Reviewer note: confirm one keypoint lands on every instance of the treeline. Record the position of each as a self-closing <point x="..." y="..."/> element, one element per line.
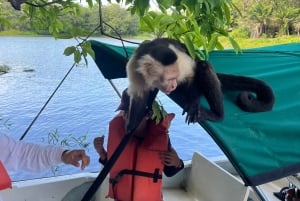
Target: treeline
<point x="268" y="18"/>
<point x="255" y="18"/>
<point x="118" y="19"/>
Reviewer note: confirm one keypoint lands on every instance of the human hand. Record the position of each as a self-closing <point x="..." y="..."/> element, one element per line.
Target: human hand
<point x="98" y="144"/>
<point x="170" y="158"/>
<point x="74" y="157"/>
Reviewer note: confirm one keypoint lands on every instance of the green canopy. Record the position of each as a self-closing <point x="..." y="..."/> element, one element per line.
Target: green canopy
<point x="261" y="146"/>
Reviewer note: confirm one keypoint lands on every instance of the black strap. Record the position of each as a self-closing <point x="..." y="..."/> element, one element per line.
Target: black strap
<point x="105" y="170"/>
<point x="155" y="175"/>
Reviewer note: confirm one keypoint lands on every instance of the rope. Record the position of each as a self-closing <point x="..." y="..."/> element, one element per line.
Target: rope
<point x="102" y="22"/>
<point x="44" y="106"/>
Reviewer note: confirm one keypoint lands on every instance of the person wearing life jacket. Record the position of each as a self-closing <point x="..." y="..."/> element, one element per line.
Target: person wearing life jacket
<point x="137" y="173"/>
<point x="20" y="155"/>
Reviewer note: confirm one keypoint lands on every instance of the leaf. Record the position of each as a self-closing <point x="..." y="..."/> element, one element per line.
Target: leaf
<point x="207" y="8"/>
<point x="85" y="60"/>
<point x="212" y="43"/>
<point x="227" y="12"/>
<point x="147" y="24"/>
<point x="77" y="56"/>
<point x="219" y="46"/>
<point x="69" y="50"/>
<point x="166" y="20"/>
<point x="59" y="25"/>
<point x="235" y="45"/>
<point x="90" y="3"/>
<point x="140" y="6"/>
<point x="165" y="3"/>
<point x="159" y="112"/>
<point x="88" y="48"/>
<point x="189" y="45"/>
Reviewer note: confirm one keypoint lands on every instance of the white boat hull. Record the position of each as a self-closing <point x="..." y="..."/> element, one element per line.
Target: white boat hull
<point x="201" y="180"/>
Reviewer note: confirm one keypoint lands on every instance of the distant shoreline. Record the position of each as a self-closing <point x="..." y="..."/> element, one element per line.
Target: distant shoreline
<point x="245" y="43"/>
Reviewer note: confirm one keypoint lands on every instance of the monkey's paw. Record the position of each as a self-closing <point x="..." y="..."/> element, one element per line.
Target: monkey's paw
<point x="193" y="114"/>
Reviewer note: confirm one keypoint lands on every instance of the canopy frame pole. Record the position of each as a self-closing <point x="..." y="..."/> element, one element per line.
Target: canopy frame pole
<point x="260" y="193"/>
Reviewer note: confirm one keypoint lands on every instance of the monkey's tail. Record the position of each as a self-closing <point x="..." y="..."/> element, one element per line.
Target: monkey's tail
<point x="262" y="101"/>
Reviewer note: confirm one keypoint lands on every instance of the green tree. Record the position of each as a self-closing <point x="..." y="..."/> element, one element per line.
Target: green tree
<point x="198" y="24"/>
<point x="260" y="14"/>
<point x="286" y="15"/>
<point x="120" y="20"/>
<point x="5" y="15"/>
<point x="268" y="17"/>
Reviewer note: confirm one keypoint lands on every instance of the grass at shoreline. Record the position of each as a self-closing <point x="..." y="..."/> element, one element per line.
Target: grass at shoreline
<point x="244" y="43"/>
<point x="17" y="33"/>
<point x="261" y="42"/>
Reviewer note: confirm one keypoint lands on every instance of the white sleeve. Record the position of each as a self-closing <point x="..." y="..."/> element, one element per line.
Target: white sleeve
<point x="20" y="155"/>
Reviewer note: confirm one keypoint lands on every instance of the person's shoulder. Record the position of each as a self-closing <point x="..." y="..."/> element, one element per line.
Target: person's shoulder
<point x="166" y="121"/>
<point x="118" y="118"/>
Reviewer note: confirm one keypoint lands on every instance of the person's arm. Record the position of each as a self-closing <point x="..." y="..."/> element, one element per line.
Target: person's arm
<point x="98" y="144"/>
<point x="173" y="164"/>
<point x="74" y="157"/>
<point x="20" y="155"/>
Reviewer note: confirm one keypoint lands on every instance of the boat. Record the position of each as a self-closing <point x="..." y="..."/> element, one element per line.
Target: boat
<point x="262" y="149"/>
<point x="201" y="179"/>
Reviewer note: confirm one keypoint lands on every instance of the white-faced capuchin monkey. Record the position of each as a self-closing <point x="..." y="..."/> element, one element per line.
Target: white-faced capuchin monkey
<point x="165" y="64"/>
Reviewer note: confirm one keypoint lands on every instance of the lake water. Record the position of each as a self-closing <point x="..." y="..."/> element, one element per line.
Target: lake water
<point x="82" y="106"/>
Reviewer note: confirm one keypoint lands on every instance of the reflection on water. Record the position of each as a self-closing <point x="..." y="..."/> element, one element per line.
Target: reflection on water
<point x="83" y="105"/>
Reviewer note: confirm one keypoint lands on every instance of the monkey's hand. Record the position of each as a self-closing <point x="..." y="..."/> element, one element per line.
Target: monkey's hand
<point x="196" y="113"/>
<point x="193" y="113"/>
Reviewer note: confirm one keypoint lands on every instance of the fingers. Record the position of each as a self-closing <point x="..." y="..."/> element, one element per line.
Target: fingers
<point x="81" y="156"/>
<point x="99" y="140"/>
<point x="98" y="144"/>
<point x="85" y="161"/>
<point x="74" y="158"/>
<point x="165" y="158"/>
<point x="169" y="158"/>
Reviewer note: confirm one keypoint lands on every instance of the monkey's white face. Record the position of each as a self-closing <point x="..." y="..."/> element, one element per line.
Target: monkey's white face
<point x="168" y="81"/>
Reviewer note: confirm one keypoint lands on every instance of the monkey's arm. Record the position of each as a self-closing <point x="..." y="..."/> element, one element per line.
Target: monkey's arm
<point x="139" y="107"/>
<point x="205" y="83"/>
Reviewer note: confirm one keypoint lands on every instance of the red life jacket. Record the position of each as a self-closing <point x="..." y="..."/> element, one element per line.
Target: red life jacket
<point x="137" y="174"/>
<point x="5" y="181"/>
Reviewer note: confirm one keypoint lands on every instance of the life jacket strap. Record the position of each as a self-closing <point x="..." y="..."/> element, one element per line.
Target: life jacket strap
<point x="155" y="175"/>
